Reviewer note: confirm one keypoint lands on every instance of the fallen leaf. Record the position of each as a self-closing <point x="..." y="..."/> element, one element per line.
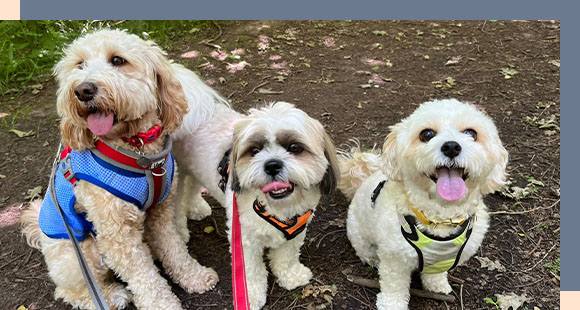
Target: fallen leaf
<point x="208" y="229"/>
<point x="33" y="193"/>
<point x="426" y="57"/>
<point x="380" y="33"/>
<point x="508" y="73"/>
<point x="490" y="265"/>
<point x="2" y="176"/>
<point x="365" y="86"/>
<point x="269" y="91"/>
<point x="3" y="115"/>
<point x="511" y="300"/>
<point x="359" y="106"/>
<point x="280" y="78"/>
<point x="555" y="62"/>
<point x="22" y="134"/>
<point x="453" y="61"/>
<point x="21" y="307"/>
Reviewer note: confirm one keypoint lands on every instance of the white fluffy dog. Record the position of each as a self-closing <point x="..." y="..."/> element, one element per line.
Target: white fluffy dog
<point x="113" y="87"/>
<point x="281" y="162"/>
<point x="419" y="204"/>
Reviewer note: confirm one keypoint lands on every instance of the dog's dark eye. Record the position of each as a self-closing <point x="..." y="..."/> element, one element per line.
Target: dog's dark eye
<point x="471" y="133"/>
<point x="117" y="61"/>
<point x="80" y="64"/>
<point x="427" y="134"/>
<point x="295" y="148"/>
<point x="255" y="150"/>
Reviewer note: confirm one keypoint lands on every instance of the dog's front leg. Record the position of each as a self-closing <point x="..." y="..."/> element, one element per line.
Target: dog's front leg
<point x="256" y="273"/>
<point x="166" y="244"/>
<point x="286" y="266"/>
<point x="119" y="227"/>
<point x="395" y="280"/>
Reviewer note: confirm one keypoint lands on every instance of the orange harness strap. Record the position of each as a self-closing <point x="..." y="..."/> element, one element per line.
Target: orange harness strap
<point x="290" y="228"/>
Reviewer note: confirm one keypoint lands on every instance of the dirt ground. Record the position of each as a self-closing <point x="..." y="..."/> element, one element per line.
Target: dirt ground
<point x="357" y="78"/>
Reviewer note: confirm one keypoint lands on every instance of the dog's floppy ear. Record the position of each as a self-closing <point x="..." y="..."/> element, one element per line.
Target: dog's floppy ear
<point x="332" y="175"/>
<point x="390" y="164"/>
<point x="497" y="177"/>
<point x="234" y="180"/>
<point x="172" y="103"/>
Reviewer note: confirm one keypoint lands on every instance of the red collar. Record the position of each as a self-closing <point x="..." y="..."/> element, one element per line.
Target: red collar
<point x="143" y="138"/>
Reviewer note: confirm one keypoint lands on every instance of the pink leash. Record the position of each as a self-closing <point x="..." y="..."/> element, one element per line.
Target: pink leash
<point x="238" y="269"/>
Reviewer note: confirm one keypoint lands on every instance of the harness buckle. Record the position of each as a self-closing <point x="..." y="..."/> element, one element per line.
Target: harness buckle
<point x="66" y="169"/>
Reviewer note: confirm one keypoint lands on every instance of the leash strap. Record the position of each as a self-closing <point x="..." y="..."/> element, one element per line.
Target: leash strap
<point x="97" y="296"/>
<point x="240" y="288"/>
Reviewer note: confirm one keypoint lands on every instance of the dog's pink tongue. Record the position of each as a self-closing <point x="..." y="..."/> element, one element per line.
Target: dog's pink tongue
<point x="100" y="123"/>
<point x="274" y="186"/>
<point x="450" y="184"/>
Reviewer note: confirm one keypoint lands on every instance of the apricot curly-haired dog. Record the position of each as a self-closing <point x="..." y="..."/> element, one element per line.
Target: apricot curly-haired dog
<point x="118" y="94"/>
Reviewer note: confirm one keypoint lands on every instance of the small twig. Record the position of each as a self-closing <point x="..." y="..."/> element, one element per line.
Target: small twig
<point x="455" y="279"/>
<point x="461" y="296"/>
<point x="219" y="34"/>
<point x="523" y="212"/>
<point x="258" y="86"/>
<point x="415" y="292"/>
<point x="216" y="227"/>
<point x="12" y="260"/>
<point x="325" y="235"/>
<point x="536" y="264"/>
<point x="535" y="248"/>
<point x="230" y="95"/>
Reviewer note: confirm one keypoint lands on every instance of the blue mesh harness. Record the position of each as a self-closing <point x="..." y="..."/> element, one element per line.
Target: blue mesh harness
<point x="142" y="180"/>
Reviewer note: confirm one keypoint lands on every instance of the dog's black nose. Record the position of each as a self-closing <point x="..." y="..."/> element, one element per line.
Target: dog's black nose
<point x="86" y="91"/>
<point x="273" y="166"/>
<point x="451" y="149"/>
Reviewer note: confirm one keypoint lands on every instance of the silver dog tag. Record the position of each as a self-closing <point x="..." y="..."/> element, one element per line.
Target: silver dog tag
<point x="144" y="162"/>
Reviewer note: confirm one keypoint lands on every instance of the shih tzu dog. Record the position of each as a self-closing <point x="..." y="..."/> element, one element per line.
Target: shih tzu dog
<point x="280" y="163"/>
<point x="419" y="204"/>
<point x="119" y="99"/>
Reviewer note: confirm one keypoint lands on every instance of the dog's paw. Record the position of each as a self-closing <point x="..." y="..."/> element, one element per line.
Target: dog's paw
<point x="200" y="282"/>
<point x="295" y="276"/>
<point x="436" y="283"/>
<point x="119" y="298"/>
<point x="385" y="302"/>
<point x="257" y="301"/>
<point x="199" y="211"/>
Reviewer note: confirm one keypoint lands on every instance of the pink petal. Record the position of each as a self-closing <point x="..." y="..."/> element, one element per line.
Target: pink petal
<point x="220" y="55"/>
<point x="329" y="42"/>
<point x="210" y="82"/>
<point x="233" y="68"/>
<point x="11" y="215"/>
<point x="190" y="54"/>
<point x="238" y="51"/>
<point x="275" y="57"/>
<point x="280" y="65"/>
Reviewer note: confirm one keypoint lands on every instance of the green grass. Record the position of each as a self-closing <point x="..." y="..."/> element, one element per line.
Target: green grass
<point x="554" y="267"/>
<point x="29" y="49"/>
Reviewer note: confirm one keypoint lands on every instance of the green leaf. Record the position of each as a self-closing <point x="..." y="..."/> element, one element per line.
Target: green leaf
<point x="380" y="33"/>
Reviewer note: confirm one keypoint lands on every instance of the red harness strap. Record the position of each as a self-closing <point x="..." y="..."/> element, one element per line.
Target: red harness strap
<point x="156" y="170"/>
<point x="240" y="289"/>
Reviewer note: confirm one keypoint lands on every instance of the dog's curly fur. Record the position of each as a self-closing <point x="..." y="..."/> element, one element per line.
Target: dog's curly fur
<point x="143" y="92"/>
<point x="407" y="163"/>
